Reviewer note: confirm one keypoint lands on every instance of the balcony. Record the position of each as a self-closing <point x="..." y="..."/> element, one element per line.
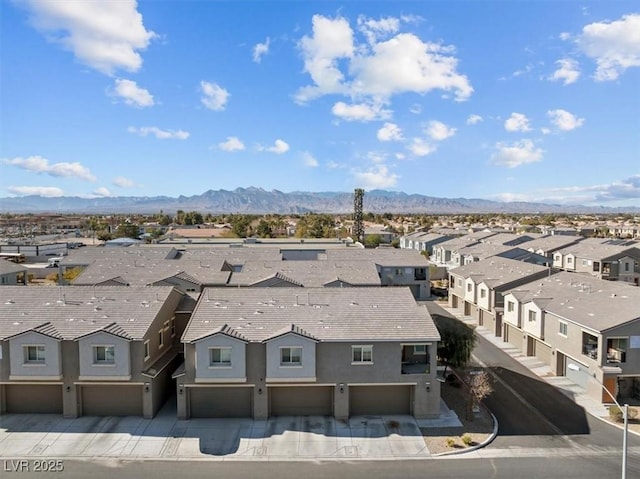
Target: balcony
<point x="420" y="274"/>
<point x="415" y="359"/>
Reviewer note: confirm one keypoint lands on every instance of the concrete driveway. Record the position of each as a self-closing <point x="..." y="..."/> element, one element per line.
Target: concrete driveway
<point x="282" y="438"/>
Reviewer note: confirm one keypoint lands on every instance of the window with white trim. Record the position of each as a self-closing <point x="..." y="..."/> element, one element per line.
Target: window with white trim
<point x="532" y="316"/>
<point x="362" y="354"/>
<point x="220" y="357"/>
<point x="483" y="293"/>
<point x="147" y="350"/>
<point x="563" y="328"/>
<point x="511" y="306"/>
<point x="419" y="349"/>
<point x="469" y="287"/>
<point x="173" y="326"/>
<point x="291" y="356"/>
<point x="160" y="338"/>
<point x="34" y="353"/>
<point x="104" y="354"/>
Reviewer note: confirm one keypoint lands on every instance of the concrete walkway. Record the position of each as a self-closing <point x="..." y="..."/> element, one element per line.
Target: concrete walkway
<point x="165" y="437"/>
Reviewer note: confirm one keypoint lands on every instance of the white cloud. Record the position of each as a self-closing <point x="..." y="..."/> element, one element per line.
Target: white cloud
<point x="517" y="154"/>
<point x="564" y="120"/>
<point x="309" y="160"/>
<point x="389" y="132"/>
<point x="360" y="112"/>
<point x="438" y="131"/>
<point x="102" y="192"/>
<point x="377" y="70"/>
<point x="474" y="119"/>
<point x="41" y="165"/>
<point x="260" y="50"/>
<point x="106" y="36"/>
<point x="377" y="176"/>
<point x="123" y="182"/>
<point x="214" y="97"/>
<point x="373" y="30"/>
<point x="232" y="144"/>
<point x="517" y="122"/>
<point x="416" y="108"/>
<point x="615" y="46"/>
<point x="279" y="147"/>
<point x="158" y="133"/>
<point x="132" y="94"/>
<point x="628" y="188"/>
<point x="567" y="71"/>
<point x="545" y="130"/>
<point x="419" y="147"/>
<point x="48" y="191"/>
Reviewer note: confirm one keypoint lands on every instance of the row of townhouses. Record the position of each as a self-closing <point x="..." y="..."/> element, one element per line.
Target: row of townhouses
<point x="231" y="332"/>
<point x="582" y="327"/>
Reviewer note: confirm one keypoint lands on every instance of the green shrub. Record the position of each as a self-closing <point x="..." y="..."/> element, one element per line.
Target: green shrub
<point x="451" y="442"/>
<point x="466" y="439"/>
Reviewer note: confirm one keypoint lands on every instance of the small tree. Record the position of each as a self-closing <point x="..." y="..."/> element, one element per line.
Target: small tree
<point x="457" y="341"/>
<point x="479" y="383"/>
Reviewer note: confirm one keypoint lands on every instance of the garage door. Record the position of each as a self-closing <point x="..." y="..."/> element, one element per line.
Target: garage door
<point x="34" y="398"/>
<point x="220" y="402"/>
<point x="111" y="400"/>
<point x="513" y="336"/>
<point x="301" y="401"/>
<point x="377" y="400"/>
<point x="576" y="372"/>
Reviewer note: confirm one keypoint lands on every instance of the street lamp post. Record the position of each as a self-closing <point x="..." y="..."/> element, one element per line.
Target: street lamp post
<point x="625" y="416"/>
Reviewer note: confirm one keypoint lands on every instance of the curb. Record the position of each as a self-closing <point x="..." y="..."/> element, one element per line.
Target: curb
<point x="484" y="443"/>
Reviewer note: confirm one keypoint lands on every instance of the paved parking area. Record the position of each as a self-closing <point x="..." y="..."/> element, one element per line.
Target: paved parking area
<point x="278" y="438"/>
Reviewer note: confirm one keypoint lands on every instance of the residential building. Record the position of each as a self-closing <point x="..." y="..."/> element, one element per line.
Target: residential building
<point x="260" y="352"/>
<point x="584" y="328"/>
<point x="74" y="350"/>
<point x="613" y="260"/>
<point x="12" y="273"/>
<point x="476" y="289"/>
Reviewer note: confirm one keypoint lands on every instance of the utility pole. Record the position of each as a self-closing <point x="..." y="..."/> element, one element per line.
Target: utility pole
<point x="358" y="226"/>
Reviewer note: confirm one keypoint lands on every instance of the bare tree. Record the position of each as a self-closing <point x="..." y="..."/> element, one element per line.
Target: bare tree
<point x="479" y="383"/>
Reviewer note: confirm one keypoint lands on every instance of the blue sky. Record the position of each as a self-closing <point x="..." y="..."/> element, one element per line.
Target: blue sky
<point x="503" y="100"/>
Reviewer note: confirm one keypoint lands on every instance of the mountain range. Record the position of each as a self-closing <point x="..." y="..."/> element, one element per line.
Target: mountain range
<point x="259" y="201"/>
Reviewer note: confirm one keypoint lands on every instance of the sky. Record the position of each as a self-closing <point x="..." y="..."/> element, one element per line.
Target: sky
<point x="502" y="100"/>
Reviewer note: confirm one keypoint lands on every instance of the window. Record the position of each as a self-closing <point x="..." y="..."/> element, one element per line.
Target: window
<point x="34" y="354"/>
<point x="569" y="260"/>
<point x="469" y="286"/>
<point x="160" y="338"/>
<point x="510" y="306"/>
<point x="617" y="350"/>
<point x="532" y="316"/>
<point x="398" y="271"/>
<point x="596" y="266"/>
<point x="104" y="354"/>
<point x="419" y="349"/>
<point x="220" y="357"/>
<point x="147" y="352"/>
<point x="626" y="266"/>
<point x="563" y="329"/>
<point x="585" y="262"/>
<point x="362" y="354"/>
<point x="483" y="293"/>
<point x="173" y="326"/>
<point x="291" y="356"/>
<point x="460" y="282"/>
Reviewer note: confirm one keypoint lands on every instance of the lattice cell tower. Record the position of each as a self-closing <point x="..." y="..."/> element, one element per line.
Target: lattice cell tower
<point x="358" y="226"/>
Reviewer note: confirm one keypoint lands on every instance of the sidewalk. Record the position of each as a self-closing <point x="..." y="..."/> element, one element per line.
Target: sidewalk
<point x="542" y="370"/>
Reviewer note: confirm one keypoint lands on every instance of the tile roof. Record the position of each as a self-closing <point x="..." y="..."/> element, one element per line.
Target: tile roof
<point x="594" y="303"/>
<point x="501" y="270"/>
<point x="598" y="248"/>
<point x="328" y="314"/>
<point x="74" y="311"/>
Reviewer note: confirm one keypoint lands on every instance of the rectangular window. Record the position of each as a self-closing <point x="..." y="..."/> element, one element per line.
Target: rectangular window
<point x="291" y="356"/>
<point x="626" y="266"/>
<point x="460" y="282"/>
<point x="585" y="262"/>
<point x="362" y="354"/>
<point x="617" y="350"/>
<point x="563" y="329"/>
<point x="469" y="286"/>
<point x="510" y="306"/>
<point x="419" y="349"/>
<point x="220" y="357"/>
<point x="160" y="338"/>
<point x="147" y="352"/>
<point x="569" y="260"/>
<point x="532" y="316"/>
<point x="34" y="354"/>
<point x="398" y="271"/>
<point x="104" y="355"/>
<point x="483" y="293"/>
<point x="173" y="326"/>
